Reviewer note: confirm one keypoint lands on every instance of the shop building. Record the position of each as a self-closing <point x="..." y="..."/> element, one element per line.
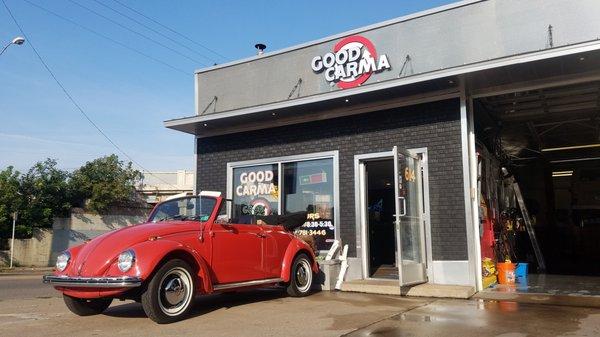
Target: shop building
<point x="381" y="133"/>
<point x="156" y="187"/>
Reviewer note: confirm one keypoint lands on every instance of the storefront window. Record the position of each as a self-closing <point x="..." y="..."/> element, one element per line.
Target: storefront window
<point x="255" y="191"/>
<point x="308" y="186"/>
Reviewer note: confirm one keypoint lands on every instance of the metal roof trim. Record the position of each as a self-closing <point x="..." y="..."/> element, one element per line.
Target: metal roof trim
<point x="378" y="25"/>
<point x="459" y="70"/>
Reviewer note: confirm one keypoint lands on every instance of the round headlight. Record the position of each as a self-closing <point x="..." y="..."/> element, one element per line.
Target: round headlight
<point x="62" y="261"/>
<point x="126" y="260"/>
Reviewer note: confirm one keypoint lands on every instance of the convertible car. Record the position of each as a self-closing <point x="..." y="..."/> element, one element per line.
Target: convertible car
<point x="187" y="247"/>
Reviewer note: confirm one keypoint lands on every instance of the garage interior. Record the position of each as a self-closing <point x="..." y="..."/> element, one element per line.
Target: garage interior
<point x="548" y="140"/>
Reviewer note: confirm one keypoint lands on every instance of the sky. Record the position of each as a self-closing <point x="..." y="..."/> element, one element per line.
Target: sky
<point x="129" y="78"/>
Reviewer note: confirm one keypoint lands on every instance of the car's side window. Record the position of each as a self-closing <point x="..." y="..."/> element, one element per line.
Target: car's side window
<point x="222" y="217"/>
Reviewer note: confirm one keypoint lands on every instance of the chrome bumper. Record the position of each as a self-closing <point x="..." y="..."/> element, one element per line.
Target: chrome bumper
<point x="93" y="282"/>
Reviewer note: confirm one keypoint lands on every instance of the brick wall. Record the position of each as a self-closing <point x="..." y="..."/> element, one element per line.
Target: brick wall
<point x="432" y="125"/>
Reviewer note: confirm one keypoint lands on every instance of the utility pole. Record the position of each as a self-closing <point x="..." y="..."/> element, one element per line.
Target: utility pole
<point x="12" y="240"/>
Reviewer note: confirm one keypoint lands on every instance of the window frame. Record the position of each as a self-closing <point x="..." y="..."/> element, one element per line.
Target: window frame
<point x="279" y="161"/>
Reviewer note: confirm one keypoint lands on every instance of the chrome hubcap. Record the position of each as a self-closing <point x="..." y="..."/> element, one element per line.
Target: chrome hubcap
<point x="175" y="291"/>
<point x="303" y="276"/>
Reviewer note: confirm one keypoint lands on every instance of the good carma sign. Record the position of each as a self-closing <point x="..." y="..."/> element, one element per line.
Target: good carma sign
<point x="351" y="63"/>
<point x="255" y="183"/>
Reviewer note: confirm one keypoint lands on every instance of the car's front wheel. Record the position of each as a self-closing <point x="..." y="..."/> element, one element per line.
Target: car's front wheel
<point x="86" y="307"/>
<point x="301" y="277"/>
<point x="170" y="293"/>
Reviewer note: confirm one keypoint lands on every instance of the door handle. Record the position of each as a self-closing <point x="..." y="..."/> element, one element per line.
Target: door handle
<point x="403" y="210"/>
<point x="260" y="235"/>
<point x="229" y="229"/>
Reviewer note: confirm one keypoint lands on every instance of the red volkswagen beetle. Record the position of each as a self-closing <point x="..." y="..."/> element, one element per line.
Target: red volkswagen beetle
<point x="187" y="247"/>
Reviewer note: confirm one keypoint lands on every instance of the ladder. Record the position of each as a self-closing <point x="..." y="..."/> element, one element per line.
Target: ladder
<point x="536" y="247"/>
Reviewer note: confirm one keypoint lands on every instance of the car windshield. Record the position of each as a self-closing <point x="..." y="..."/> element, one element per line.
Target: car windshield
<point x="188" y="208"/>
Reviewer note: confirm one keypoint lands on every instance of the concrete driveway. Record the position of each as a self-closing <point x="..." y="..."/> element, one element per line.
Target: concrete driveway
<point x="253" y="313"/>
<point x="28" y="308"/>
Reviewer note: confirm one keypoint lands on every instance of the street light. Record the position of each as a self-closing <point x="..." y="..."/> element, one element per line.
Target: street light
<point x="12" y="240"/>
<point x="17" y="40"/>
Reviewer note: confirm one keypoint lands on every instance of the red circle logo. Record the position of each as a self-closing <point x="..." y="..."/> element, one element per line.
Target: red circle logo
<point x="351" y="63"/>
<point x="367" y="50"/>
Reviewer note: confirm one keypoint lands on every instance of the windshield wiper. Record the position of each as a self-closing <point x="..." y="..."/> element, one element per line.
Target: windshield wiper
<point x="184" y="217"/>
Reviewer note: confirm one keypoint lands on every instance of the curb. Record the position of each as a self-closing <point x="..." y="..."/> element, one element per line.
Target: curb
<point x="24" y="272"/>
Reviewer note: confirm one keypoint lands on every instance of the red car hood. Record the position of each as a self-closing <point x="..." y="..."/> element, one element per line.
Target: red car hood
<point x="95" y="257"/>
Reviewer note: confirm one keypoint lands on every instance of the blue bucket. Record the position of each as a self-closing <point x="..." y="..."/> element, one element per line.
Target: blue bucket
<point x="521" y="271"/>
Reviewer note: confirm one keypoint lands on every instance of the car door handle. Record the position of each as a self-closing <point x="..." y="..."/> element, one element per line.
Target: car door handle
<point x="261" y="235"/>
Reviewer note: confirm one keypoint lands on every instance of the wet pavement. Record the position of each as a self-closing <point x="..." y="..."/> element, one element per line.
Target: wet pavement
<point x="487" y="318"/>
<point x="581" y="291"/>
<point x="567" y="285"/>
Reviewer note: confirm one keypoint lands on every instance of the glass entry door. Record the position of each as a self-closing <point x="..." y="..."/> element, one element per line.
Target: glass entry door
<point x="410" y="227"/>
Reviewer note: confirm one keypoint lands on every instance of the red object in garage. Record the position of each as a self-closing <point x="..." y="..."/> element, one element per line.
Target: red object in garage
<point x="487" y="233"/>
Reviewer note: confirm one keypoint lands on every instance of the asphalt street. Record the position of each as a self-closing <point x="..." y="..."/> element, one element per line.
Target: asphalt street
<point x="24" y="286"/>
<point x="29" y="308"/>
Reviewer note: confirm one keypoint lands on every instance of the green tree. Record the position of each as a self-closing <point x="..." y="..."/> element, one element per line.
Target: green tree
<point x="44" y="195"/>
<point x="10" y="199"/>
<point x="104" y="182"/>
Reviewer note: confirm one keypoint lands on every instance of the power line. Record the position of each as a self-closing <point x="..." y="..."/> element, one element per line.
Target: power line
<point x="71" y="99"/>
<point x="136" y="32"/>
<point x="107" y="38"/>
<point x="212" y="60"/>
<point x="171" y="29"/>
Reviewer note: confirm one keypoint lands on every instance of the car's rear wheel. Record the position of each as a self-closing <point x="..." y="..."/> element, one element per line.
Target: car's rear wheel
<point x="301" y="277"/>
<point x="86" y="307"/>
<point x="169" y="294"/>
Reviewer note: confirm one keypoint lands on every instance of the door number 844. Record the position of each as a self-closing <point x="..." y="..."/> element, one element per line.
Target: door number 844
<point x="409" y="175"/>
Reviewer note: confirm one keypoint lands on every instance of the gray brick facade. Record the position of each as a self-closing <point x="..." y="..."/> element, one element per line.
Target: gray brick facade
<point x="432" y="125"/>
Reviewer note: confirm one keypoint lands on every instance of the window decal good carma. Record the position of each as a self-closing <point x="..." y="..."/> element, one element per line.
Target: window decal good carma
<point x="351" y="63"/>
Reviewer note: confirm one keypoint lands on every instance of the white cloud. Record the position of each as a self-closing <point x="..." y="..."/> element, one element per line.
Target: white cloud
<point x="27" y="138"/>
